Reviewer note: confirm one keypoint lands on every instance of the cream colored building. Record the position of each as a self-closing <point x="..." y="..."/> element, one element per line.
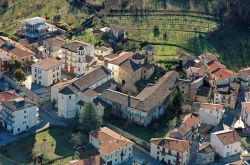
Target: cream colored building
<point x="245" y="112"/>
<point x="19" y="115"/>
<point x="226" y="142"/>
<point x="103" y="51"/>
<point x="71" y="96"/>
<point x="46" y="72"/>
<point x="114" y="148"/>
<point x="15" y="50"/>
<point x="128" y="68"/>
<point x="170" y="150"/>
<point x="78" y="57"/>
<point x="211" y="114"/>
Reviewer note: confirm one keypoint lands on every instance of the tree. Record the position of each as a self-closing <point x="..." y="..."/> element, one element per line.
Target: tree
<point x="14" y="66"/>
<point x="20" y="75"/>
<point x="88" y="118"/>
<point x="156" y="31"/>
<point x="177" y="100"/>
<point x="78" y="138"/>
<point x="165" y="36"/>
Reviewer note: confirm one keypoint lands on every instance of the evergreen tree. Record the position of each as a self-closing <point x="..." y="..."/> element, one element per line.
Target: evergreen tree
<point x="88" y="118"/>
<point x="177" y="100"/>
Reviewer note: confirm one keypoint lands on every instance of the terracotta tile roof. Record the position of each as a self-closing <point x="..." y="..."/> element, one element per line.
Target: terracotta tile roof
<point x="92" y="160"/>
<point x="188" y="123"/>
<point x="223" y="74"/>
<point x="205" y="148"/>
<point x="110" y="140"/>
<point x="90" y="93"/>
<point x="210" y="106"/>
<point x="213" y="65"/>
<point x="14" y="47"/>
<point x="245" y="106"/>
<point x="121" y="58"/>
<point x="148" y="98"/>
<point x="186" y="57"/>
<point x="111" y="56"/>
<point x="47" y="64"/>
<point x="238" y="162"/>
<point x="227" y="136"/>
<point x="8" y="95"/>
<point x="172" y="144"/>
<point x="75" y="46"/>
<point x="54" y="42"/>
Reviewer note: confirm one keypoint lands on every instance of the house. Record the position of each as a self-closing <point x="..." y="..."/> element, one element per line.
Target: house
<point x="86" y="88"/>
<point x="148" y="106"/>
<point x="78" y="57"/>
<point x="245" y="112"/>
<point x="92" y="160"/>
<point x="207" y="57"/>
<point x="211" y="114"/>
<point x="193" y="72"/>
<point x="244" y="77"/>
<point x="103" y="51"/>
<point x="227" y="98"/>
<point x="19" y="115"/>
<point x="37" y="28"/>
<point x="117" y="31"/>
<point x="170" y="150"/>
<point x="4" y="64"/>
<point x="46" y="72"/>
<point x="113" y="147"/>
<point x="52" y="47"/>
<point x="186" y="61"/>
<point x="226" y="142"/>
<point x="205" y="154"/>
<point x="214" y="65"/>
<point x="57" y="87"/>
<point x="223" y="76"/>
<point x="188" y="130"/>
<point x="128" y="68"/>
<point x="15" y="50"/>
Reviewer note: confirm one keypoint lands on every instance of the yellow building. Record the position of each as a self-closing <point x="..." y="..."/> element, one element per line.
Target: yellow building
<point x="15" y="50"/>
<point x="131" y="67"/>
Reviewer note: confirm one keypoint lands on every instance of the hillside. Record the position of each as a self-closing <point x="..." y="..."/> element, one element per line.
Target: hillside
<point x="191" y="31"/>
<point x="72" y="14"/>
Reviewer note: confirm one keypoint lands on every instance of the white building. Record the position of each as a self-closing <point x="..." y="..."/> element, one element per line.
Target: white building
<point x="114" y="148"/>
<point x="19" y="115"/>
<point x="78" y="57"/>
<point x="72" y="97"/>
<point x="170" y="150"/>
<point x="46" y="72"/>
<point x="51" y="47"/>
<point x="226" y="142"/>
<point x="211" y="114"/>
<point x="103" y="51"/>
<point x="245" y="112"/>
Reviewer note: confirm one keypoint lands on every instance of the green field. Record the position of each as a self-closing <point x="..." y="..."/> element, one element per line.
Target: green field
<point x="56" y="146"/>
<point x="173" y="34"/>
<point x="19" y="10"/>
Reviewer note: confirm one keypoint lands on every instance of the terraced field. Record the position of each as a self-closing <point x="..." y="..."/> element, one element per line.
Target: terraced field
<point x="172" y="34"/>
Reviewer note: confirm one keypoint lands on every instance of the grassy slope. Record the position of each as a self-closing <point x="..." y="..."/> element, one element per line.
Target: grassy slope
<point x="21" y="9"/>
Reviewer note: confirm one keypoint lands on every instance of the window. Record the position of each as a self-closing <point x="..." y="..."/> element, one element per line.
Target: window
<point x="25" y="117"/>
<point x="69" y="97"/>
<point x="18" y="129"/>
<point x="25" y="111"/>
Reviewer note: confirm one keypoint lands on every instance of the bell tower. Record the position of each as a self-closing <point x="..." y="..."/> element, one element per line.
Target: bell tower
<point x="80" y="67"/>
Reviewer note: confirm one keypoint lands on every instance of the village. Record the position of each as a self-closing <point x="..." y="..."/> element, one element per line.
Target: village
<point x="132" y="110"/>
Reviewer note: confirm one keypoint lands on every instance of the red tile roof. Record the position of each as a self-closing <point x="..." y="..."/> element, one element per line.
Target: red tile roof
<point x="8" y="95"/>
<point x="93" y="160"/>
<point x="246" y="106"/>
<point x="227" y="136"/>
<point x="172" y="144"/>
<point x="213" y="65"/>
<point x="223" y="74"/>
<point x="110" y="140"/>
<point x="121" y="58"/>
<point x="210" y="106"/>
